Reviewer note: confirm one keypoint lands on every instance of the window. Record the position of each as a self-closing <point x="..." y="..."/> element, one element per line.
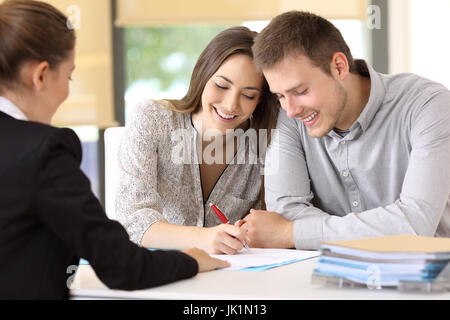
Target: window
<point x="90" y="163"/>
<point x="160" y="59"/>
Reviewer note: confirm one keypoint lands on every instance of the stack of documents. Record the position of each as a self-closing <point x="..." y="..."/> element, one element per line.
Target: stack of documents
<point x="384" y="262"/>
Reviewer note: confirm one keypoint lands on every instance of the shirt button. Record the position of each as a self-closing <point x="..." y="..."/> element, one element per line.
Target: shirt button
<point x="345" y="173"/>
<point x="343" y="142"/>
<point x="355" y="203"/>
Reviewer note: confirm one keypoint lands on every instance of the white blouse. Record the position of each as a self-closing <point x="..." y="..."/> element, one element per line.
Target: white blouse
<point x="155" y="186"/>
<point x="11" y="109"/>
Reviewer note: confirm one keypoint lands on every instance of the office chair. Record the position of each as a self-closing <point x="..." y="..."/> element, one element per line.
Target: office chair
<point x="113" y="137"/>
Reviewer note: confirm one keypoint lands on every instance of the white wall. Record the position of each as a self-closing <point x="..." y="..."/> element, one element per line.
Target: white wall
<point x="419" y="38"/>
<point x="430" y="39"/>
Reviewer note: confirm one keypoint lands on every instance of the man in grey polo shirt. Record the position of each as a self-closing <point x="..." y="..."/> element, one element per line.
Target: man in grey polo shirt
<point x="357" y="153"/>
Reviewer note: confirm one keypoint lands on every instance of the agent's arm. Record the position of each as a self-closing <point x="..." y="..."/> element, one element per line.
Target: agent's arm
<point x="66" y="205"/>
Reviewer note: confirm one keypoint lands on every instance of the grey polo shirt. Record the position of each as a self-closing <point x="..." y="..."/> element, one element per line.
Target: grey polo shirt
<point x="390" y="174"/>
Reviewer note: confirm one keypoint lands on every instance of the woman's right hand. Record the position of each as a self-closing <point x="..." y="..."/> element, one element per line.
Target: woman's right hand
<point x="223" y="239"/>
<point x="205" y="262"/>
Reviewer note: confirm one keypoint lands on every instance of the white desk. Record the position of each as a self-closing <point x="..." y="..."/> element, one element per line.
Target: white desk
<point x="289" y="282"/>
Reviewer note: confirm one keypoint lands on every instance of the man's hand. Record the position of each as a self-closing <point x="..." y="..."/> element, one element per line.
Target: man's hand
<point x="268" y="230"/>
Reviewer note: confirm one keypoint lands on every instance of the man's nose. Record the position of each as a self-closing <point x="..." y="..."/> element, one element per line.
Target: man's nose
<point x="293" y="110"/>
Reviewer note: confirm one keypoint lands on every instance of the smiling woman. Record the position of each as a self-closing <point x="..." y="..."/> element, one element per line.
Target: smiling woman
<point x="165" y="203"/>
<point x="232" y="41"/>
<point x="230" y="96"/>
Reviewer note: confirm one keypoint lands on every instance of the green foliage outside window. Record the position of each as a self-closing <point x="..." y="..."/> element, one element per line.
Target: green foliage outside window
<point x="165" y="56"/>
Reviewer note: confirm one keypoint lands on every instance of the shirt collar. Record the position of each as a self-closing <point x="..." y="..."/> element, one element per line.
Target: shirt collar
<point x="376" y="98"/>
<point x="11" y="109"/>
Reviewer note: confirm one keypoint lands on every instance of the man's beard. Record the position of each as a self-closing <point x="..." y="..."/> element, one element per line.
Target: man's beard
<point x="335" y="114"/>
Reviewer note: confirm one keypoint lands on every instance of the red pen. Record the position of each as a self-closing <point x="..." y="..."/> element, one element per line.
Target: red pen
<point x="222" y="217"/>
<point x="219" y="213"/>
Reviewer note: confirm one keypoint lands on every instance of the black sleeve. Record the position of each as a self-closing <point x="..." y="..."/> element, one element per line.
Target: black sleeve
<point x="67" y="206"/>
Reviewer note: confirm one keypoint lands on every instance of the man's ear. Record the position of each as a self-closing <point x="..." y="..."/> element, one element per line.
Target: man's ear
<point x="39" y="75"/>
<point x="340" y="66"/>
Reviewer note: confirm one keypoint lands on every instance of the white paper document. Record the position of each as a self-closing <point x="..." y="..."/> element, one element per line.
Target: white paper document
<point x="261" y="259"/>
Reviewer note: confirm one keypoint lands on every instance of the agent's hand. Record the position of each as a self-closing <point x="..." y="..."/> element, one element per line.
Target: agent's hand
<point x="205" y="262"/>
<point x="224" y="238"/>
<point x="267" y="229"/>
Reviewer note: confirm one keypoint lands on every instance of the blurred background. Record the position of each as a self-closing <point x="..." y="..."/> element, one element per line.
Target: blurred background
<point x="129" y="50"/>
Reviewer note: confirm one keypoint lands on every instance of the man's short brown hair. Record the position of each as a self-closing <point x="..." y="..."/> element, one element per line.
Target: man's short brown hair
<point x="300" y="32"/>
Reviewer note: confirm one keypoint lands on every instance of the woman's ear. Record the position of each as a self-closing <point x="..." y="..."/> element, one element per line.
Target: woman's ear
<point x="39" y="75"/>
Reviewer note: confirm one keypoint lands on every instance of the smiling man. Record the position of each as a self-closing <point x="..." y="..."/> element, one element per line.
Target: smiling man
<point x="360" y="154"/>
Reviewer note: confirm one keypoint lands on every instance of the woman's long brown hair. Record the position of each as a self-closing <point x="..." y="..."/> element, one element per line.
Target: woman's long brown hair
<point x="235" y="40"/>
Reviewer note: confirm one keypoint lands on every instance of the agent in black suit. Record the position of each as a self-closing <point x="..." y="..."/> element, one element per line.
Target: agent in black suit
<point x="49" y="218"/>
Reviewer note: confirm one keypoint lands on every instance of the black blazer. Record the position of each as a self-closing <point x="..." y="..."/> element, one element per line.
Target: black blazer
<point x="49" y="218"/>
